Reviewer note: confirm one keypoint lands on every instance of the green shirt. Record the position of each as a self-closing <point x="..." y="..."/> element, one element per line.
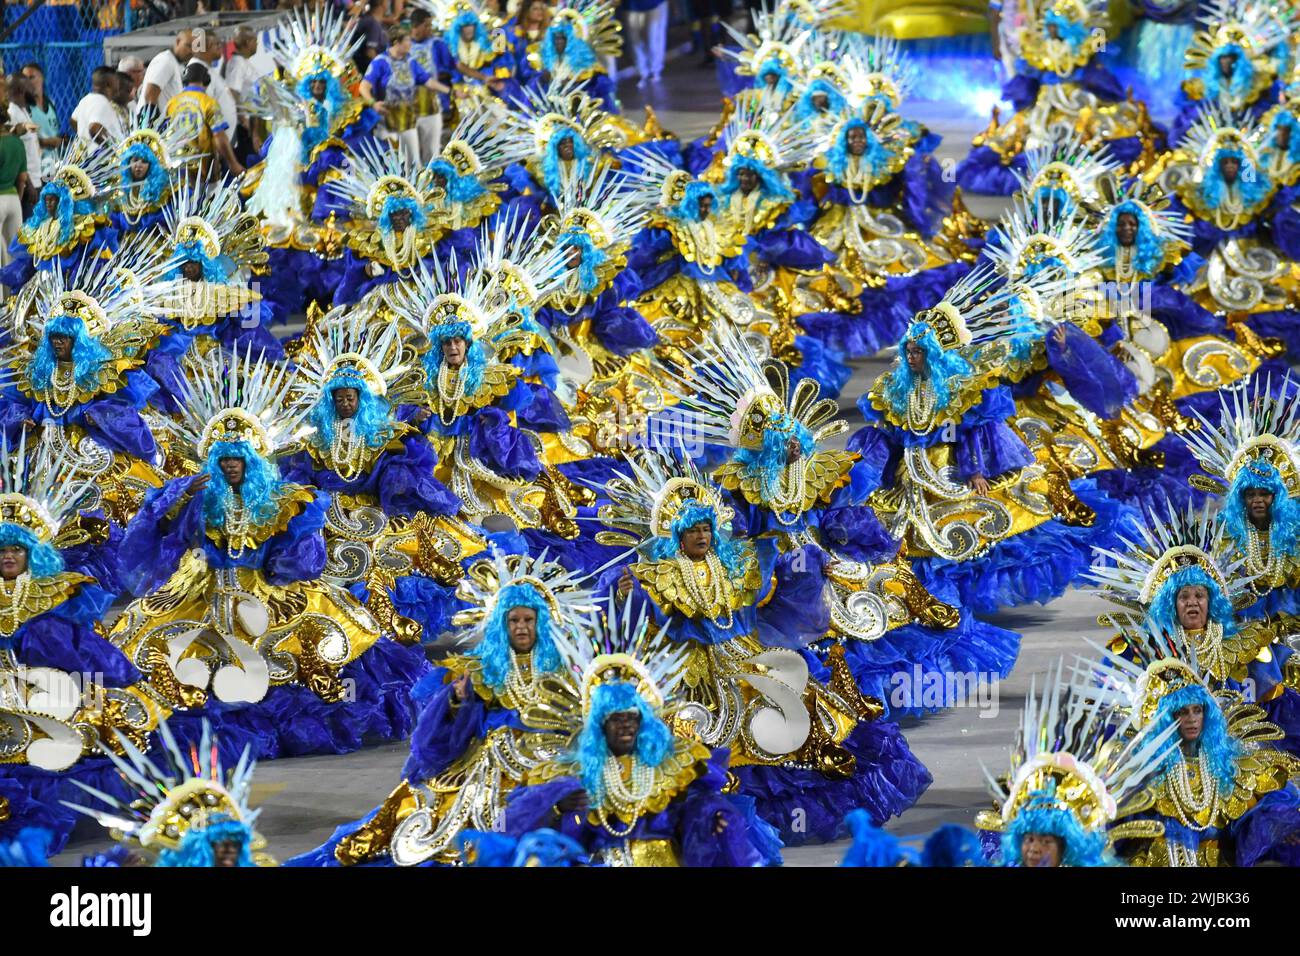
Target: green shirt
<point x="13" y="160"/>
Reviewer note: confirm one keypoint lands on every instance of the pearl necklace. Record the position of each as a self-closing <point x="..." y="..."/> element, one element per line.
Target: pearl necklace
<point x="718" y="593"/>
<point x="1186" y="803"/>
<point x="1209" y="647"/>
<point x="705" y="239"/>
<point x="790" y="495"/>
<point x="236" y="523"/>
<point x="852" y="174"/>
<point x="520" y="686"/>
<point x="451" y="389"/>
<point x="628" y="798"/>
<point x="1124" y="271"/>
<point x="344" y="450"/>
<point x="14" y="594"/>
<point x="402" y="257"/>
<point x="63" y="388"/>
<point x="1260" y="558"/>
<point x="920" y="406"/>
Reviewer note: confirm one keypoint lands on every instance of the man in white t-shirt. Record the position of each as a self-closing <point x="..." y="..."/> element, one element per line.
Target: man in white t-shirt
<point x="133" y="67"/>
<point x="162" y="80"/>
<point x="209" y="53"/>
<point x="95" y="119"/>
<point x="24" y="128"/>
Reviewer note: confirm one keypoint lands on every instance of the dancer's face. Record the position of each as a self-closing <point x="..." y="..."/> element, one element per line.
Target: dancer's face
<point x="915" y="358"/>
<point x="61" y="346"/>
<point x="821" y="102"/>
<point x="467" y="32"/>
<point x="51" y="205"/>
<point x="565" y="149"/>
<point x="1191" y="721"/>
<point x="232" y="469"/>
<point x="454" y="351"/>
<point x="226" y="853"/>
<point x="1229" y="168"/>
<point x="1126" y="229"/>
<point x="13" y="561"/>
<point x="747" y="179"/>
<point x="1040" y="849"/>
<point x="705" y="206"/>
<point x="1227" y="63"/>
<point x="192" y="270"/>
<point x="317" y="90"/>
<point x="620" y="732"/>
<point x="697" y="541"/>
<point x="521" y="629"/>
<point x="1259" y="505"/>
<point x="793" y="450"/>
<point x="346" y="402"/>
<point x="400" y="219"/>
<point x="856" y="140"/>
<point x="560" y="42"/>
<point x="1283" y="137"/>
<point x="138" y="168"/>
<point x="1193" y="606"/>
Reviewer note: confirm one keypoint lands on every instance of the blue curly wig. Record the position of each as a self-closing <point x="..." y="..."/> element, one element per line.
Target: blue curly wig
<point x="727" y="550"/>
<point x="578" y="55"/>
<point x="688" y="209"/>
<point x="67" y="209"/>
<point x="1162" y="615"/>
<point x="336" y="98"/>
<point x="1148" y="248"/>
<point x="88" y="354"/>
<point x="941" y="364"/>
<point x="1243" y="73"/>
<point x="1024" y="331"/>
<point x="1041" y="815"/>
<point x="876" y="157"/>
<point x="451" y="36"/>
<point x="1284" y="118"/>
<point x="804" y="110"/>
<point x="493" y="651"/>
<point x="215" y="269"/>
<point x="476" y="359"/>
<point x="395" y="204"/>
<point x="195" y="848"/>
<point x="1252" y="182"/>
<point x="592" y="258"/>
<point x="260" y="491"/>
<point x="654" y="741"/>
<point x="43" y="560"/>
<point x="1284" y="521"/>
<point x="551" y="177"/>
<point x="769" y="67"/>
<point x="1071" y="31"/>
<point x="1215" y="740"/>
<point x="156" y="182"/>
<point x="768" y="462"/>
<point x="460" y="189"/>
<point x="373" y="420"/>
<point x="771" y="184"/>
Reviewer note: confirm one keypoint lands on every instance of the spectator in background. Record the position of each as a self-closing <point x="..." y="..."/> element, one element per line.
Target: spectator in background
<point x="44" y="113"/>
<point x="391" y="81"/>
<point x="368" y="25"/>
<point x="198" y="117"/>
<point x="209" y="52"/>
<point x="96" y="118"/>
<point x="133" y="67"/>
<point x="20" y="98"/>
<point x="428" y="108"/>
<point x="241" y="76"/>
<point x="164" y="77"/>
<point x="647" y="26"/>
<point x="13" y="181"/>
<point x="707" y="17"/>
<point x="122" y="101"/>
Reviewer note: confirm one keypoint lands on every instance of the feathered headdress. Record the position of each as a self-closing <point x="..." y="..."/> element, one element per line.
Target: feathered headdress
<point x="157" y="143"/>
<point x="1034" y="236"/>
<point x="561" y="105"/>
<point x="314" y="39"/>
<point x="1080" y="32"/>
<point x="974" y="309"/>
<point x="1217" y="127"/>
<point x="594" y="22"/>
<point x="380" y="180"/>
<point x="178" y="798"/>
<point x="1256" y="426"/>
<point x="228" y="397"/>
<point x="490" y="582"/>
<point x="650" y="491"/>
<point x="878" y="68"/>
<point x="1073" y="167"/>
<point x="1246" y="29"/>
<point x="349" y="349"/>
<point x="484" y="142"/>
<point x="760" y="130"/>
<point x="521" y="260"/>
<point x="40" y="494"/>
<point x="1074" y="764"/>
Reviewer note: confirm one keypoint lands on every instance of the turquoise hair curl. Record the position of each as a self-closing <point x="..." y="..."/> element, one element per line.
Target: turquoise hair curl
<point x="1284" y="118"/>
<point x="1243" y="73"/>
<point x="578" y="54"/>
<point x="1071" y="31"/>
<point x="88" y="354"/>
<point x="727" y="550"/>
<point x="591" y="257"/>
<point x="460" y="189"/>
<point x="1162" y="615"/>
<point x="768" y="463"/>
<point x="373" y="420"/>
<point x="452" y="34"/>
<point x="155" y="183"/>
<point x="688" y="208"/>
<point x="214" y="267"/>
<point x="1219" y="746"/>
<point x="876" y="158"/>
<point x="67" y="209"/>
<point x="476" y="359"/>
<point x="394" y="204"/>
<point x="941" y="364"/>
<point x="43" y="560"/>
<point x="773" y="65"/>
<point x="804" y="110"/>
<point x="771" y="184"/>
<point x="1148" y="247"/>
<point x="654" y="741"/>
<point x="261" y="489"/>
<point x="1252" y="182"/>
<point x="493" y="652"/>
<point x="1284" y="520"/>
<point x="1041" y="815"/>
<point x="336" y="98"/>
<point x="196" y="847"/>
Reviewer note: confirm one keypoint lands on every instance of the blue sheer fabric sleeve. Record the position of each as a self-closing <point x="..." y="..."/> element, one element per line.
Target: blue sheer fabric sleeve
<point x="298" y="552"/>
